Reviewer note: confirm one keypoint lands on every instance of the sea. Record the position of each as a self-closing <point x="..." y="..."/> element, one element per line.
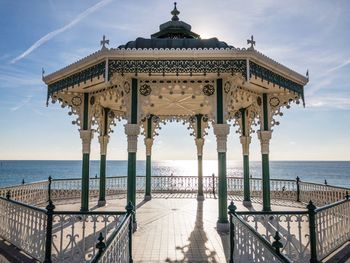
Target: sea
<point x="336" y="173"/>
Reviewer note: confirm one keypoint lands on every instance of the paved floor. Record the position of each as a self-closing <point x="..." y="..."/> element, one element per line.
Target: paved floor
<point x="178" y="228"/>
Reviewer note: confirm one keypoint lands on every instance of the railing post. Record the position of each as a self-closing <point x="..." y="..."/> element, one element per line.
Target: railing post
<point x="49" y="188"/>
<point x="298" y="189"/>
<point x="101" y="246"/>
<point x="277" y="245"/>
<point x="213" y="177"/>
<point x="48" y="244"/>
<point x="232" y="210"/>
<point x="130" y="211"/>
<point x="312" y="229"/>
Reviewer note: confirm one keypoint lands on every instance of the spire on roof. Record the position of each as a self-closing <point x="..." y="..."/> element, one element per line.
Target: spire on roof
<point x="175" y="13"/>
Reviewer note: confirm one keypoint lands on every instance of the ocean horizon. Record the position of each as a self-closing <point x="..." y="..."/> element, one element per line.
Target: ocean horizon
<point x="13" y="172"/>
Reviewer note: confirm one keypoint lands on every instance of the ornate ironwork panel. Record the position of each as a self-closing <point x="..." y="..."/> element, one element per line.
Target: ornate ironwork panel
<point x="24" y="227"/>
<point x="31" y="193"/>
<point x="77" y="78"/>
<point x="178" y="66"/>
<point x="248" y="247"/>
<point x="332" y="228"/>
<point x="321" y="194"/>
<point x="75" y="235"/>
<point x="118" y="247"/>
<point x="293" y="228"/>
<point x="270" y="76"/>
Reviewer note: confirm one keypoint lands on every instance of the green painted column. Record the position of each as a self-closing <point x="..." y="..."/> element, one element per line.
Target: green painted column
<point x="222" y="188"/>
<point x="265" y="137"/>
<point x="148" y="144"/>
<point x="199" y="143"/>
<point x="85" y="183"/>
<point x="103" y="140"/>
<point x="132" y="131"/>
<point x="86" y="136"/>
<point x="245" y="141"/>
<point x="102" y="193"/>
<point x="148" y="194"/>
<point x="221" y="130"/>
<point x="246" y="181"/>
<point x="131" y="197"/>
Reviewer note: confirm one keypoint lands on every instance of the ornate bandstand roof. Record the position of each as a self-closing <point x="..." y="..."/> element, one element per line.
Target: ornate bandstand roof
<point x="177" y="73"/>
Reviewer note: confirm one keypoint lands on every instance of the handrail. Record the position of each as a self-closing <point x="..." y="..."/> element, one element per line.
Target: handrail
<point x="24" y="205"/>
<point x="325" y="207"/>
<point x="326" y="185"/>
<point x="271" y="212"/>
<point x="261" y="239"/>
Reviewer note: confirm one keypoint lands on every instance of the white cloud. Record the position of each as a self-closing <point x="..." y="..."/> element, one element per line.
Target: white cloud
<point x="56" y="32"/>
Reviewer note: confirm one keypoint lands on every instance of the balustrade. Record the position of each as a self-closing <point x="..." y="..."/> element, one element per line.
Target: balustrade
<point x="332" y="227"/>
<point x="292" y="226"/>
<point x="23" y="226"/>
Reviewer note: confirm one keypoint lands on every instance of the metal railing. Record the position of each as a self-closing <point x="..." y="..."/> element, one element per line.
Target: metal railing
<point x="62" y="236"/>
<point x="23" y="226"/>
<point x="321" y="194"/>
<point x="332" y="223"/>
<point x="30" y="193"/>
<point x="292" y="226"/>
<point x="246" y="245"/>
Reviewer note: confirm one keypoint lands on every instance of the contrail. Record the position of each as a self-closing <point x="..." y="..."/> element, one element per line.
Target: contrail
<point x="54" y="33"/>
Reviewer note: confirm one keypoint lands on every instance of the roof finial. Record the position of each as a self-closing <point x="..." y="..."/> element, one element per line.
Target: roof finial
<point x="175" y="13"/>
<point x="251" y="41"/>
<point x="103" y="42"/>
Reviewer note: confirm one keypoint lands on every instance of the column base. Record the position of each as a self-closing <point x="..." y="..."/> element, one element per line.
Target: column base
<point x="222" y="227"/>
<point x="247" y="203"/>
<point x="101" y="203"/>
<point x="147" y="198"/>
<point x="200" y="198"/>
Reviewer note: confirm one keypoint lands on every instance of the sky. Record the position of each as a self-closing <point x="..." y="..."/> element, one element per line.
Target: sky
<point x="51" y="34"/>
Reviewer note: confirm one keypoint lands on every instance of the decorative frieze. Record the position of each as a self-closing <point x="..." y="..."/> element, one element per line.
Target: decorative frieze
<point x="148" y="144"/>
<point x="221" y="131"/>
<point x="103" y="144"/>
<point x="265" y="137"/>
<point x="245" y="141"/>
<point x="86" y="137"/>
<point x="199" y="144"/>
<point x="132" y="131"/>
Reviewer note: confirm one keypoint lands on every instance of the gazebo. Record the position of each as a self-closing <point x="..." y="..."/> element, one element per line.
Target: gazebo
<point x="176" y="75"/>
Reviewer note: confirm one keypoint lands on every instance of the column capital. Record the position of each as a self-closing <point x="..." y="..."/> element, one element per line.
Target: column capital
<point x="86" y="137"/>
<point x="221" y="131"/>
<point x="265" y="137"/>
<point x="132" y="131"/>
<point x="103" y="144"/>
<point x="245" y="141"/>
<point x="148" y="143"/>
<point x="199" y="144"/>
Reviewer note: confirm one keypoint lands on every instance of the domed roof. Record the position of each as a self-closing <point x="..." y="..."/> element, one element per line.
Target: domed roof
<point x="175" y="34"/>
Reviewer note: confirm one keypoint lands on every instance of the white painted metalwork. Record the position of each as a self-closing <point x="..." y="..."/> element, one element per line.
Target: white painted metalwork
<point x="117" y="250"/>
<point x="332" y="227"/>
<point x="31" y="193"/>
<point x="321" y="194"/>
<point x="75" y="234"/>
<point x="293" y="229"/>
<point x="249" y="247"/>
<point x="23" y="226"/>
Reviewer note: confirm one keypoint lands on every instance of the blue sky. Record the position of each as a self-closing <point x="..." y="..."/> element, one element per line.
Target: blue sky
<point x="302" y="35"/>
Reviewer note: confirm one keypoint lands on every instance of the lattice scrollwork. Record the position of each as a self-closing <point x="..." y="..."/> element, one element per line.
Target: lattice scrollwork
<point x="293" y="228"/>
<point x="178" y="66"/>
<point x="278" y="101"/>
<point x="75" y="235"/>
<point x="193" y="125"/>
<point x="24" y="227"/>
